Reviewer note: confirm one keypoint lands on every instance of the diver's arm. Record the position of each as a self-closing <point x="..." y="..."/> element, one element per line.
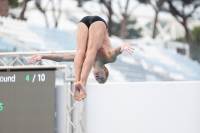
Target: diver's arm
<point x="117" y="51"/>
<point x="53" y="57"/>
<point x="59" y="57"/>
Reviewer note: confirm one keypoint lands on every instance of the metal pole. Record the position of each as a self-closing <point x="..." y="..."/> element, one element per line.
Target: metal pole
<point x="33" y="53"/>
<point x="32" y="67"/>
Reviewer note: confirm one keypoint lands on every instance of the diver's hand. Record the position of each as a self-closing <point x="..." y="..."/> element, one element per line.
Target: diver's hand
<point x="35" y="58"/>
<point x="127" y="47"/>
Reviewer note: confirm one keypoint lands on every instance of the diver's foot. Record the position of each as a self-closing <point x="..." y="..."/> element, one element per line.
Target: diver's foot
<point x="79" y="91"/>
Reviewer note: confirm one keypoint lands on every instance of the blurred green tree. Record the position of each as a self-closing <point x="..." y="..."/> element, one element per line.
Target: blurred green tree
<point x="125" y="16"/>
<point x="110" y="13"/>
<point x="131" y="32"/>
<point x="38" y="5"/>
<point x="195" y="44"/>
<point x="81" y="2"/>
<point x="24" y="5"/>
<point x="13" y="3"/>
<point x="6" y="4"/>
<point x="55" y="12"/>
<point x="157" y="6"/>
<point x="196" y="35"/>
<point x="182" y="10"/>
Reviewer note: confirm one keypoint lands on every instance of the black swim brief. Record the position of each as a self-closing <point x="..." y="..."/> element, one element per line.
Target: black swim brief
<point x="88" y="20"/>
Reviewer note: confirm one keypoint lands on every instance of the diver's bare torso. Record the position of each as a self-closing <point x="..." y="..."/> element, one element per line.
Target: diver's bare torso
<point x="103" y="54"/>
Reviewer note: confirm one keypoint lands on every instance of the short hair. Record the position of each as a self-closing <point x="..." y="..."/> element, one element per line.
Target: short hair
<point x="107" y="74"/>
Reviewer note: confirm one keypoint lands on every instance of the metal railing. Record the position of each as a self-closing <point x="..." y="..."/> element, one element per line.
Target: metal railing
<point x="74" y="109"/>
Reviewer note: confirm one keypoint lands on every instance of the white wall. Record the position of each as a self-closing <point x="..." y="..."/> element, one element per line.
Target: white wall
<point x="151" y="107"/>
<point x="60" y="109"/>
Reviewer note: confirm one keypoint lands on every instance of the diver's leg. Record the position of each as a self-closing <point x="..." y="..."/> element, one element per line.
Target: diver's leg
<point x="81" y="44"/>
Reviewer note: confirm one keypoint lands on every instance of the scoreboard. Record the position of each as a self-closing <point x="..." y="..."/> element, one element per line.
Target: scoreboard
<point x="27" y="101"/>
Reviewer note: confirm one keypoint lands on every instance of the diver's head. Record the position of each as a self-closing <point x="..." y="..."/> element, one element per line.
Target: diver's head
<point x="101" y="74"/>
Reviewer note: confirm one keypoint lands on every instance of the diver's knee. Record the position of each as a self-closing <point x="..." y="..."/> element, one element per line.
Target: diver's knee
<point x="80" y="53"/>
